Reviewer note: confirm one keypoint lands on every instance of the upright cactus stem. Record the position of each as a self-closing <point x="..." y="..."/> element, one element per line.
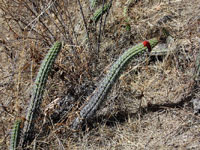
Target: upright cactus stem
<point x="38" y="90"/>
<point x="15" y="135"/>
<point x="99" y="94"/>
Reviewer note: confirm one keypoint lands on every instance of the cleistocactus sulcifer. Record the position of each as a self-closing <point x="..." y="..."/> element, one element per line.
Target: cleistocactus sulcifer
<point x="15" y="135"/>
<point x="97" y="97"/>
<point x="38" y="90"/>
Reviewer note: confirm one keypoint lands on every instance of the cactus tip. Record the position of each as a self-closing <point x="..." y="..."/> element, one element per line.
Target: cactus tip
<point x="147" y="44"/>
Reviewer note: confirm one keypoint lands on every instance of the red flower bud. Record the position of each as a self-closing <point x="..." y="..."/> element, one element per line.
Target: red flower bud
<point x="147" y="44"/>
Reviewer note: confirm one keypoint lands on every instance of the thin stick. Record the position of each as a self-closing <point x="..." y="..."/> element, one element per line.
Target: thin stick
<point x="44" y="25"/>
<point x="61" y="21"/>
<point x="85" y="24"/>
<point x="70" y="20"/>
<point x="99" y="37"/>
<point x="104" y="25"/>
<point x="37" y="18"/>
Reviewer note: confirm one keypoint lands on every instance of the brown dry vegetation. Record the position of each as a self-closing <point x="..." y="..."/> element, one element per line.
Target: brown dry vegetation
<point x="147" y="108"/>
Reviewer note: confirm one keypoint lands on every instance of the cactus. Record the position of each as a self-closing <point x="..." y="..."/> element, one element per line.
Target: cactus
<point x="93" y="4"/>
<point x="99" y="12"/>
<point x="38" y="90"/>
<point x="97" y="97"/>
<point x="15" y="135"/>
<point x="126" y="15"/>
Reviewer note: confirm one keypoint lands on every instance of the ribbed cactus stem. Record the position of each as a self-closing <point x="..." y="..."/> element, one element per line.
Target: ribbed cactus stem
<point x="99" y="94"/>
<point x="38" y="90"/>
<point x="99" y="12"/>
<point x="15" y="135"/>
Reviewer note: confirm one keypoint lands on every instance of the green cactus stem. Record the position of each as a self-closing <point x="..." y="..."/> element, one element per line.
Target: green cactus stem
<point x="99" y="94"/>
<point x="38" y="91"/>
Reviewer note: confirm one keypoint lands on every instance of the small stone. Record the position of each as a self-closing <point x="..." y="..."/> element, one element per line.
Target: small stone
<point x="196" y="105"/>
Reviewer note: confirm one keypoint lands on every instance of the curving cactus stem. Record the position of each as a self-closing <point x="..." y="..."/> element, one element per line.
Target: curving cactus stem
<point x="97" y="97"/>
<point x="99" y="12"/>
<point x="38" y="90"/>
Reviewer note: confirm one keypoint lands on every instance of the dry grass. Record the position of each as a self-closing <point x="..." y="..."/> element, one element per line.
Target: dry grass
<point x="148" y="107"/>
